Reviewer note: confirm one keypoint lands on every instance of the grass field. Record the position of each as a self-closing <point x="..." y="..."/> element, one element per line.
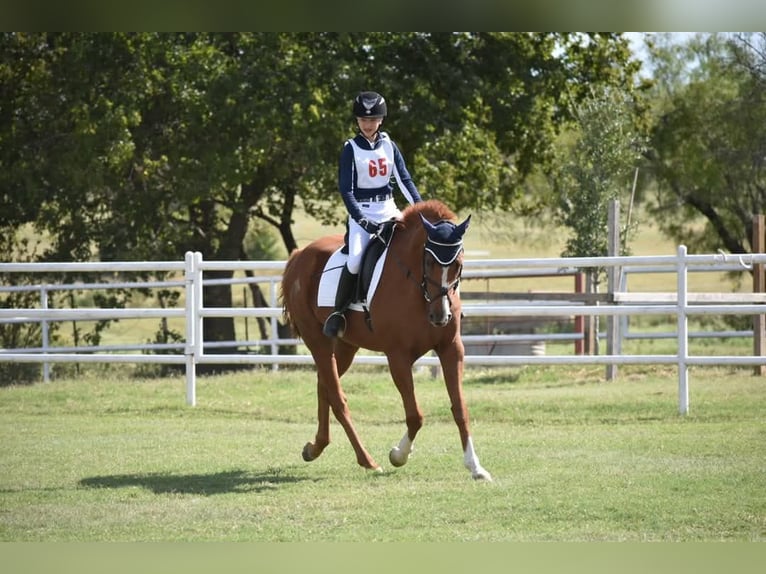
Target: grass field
<point x="111" y="458"/>
<point x="107" y="456"/>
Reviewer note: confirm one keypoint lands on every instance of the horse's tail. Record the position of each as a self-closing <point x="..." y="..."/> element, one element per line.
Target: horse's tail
<point x="284" y="296"/>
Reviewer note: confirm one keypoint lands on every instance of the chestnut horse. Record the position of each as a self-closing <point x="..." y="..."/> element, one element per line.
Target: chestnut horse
<point x="415" y="309"/>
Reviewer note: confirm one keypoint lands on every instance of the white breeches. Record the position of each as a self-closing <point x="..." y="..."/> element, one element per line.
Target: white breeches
<point x="358" y="238"/>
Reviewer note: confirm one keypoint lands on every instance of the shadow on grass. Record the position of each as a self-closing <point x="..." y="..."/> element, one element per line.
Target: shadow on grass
<point x="199" y="484"/>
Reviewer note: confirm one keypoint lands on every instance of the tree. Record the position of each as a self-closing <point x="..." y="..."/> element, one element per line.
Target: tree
<point x="143" y="146"/>
<point x="151" y="145"/>
<point x="479" y="112"/>
<point x="596" y="166"/>
<point x="708" y="144"/>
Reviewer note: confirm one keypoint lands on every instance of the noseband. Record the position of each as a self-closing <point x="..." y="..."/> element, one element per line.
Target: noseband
<point x="443" y="291"/>
<point x="426" y="280"/>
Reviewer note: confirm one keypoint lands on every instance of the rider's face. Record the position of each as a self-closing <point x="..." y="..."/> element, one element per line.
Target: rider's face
<point x="368" y="126"/>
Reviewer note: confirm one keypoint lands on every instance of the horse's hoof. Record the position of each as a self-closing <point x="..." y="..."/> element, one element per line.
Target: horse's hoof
<point x="481" y="474"/>
<point x="375" y="470"/>
<point x="307" y="452"/>
<point x="397" y="457"/>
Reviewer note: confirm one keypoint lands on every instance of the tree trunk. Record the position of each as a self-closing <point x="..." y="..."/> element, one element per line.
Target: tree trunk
<point x="219" y="329"/>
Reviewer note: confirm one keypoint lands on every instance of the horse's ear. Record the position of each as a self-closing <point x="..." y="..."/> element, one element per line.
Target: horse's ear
<point x="427" y="224"/>
<point x="463" y="226"/>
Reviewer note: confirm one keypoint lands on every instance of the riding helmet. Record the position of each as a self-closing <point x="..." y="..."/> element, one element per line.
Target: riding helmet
<point x="370" y="105"/>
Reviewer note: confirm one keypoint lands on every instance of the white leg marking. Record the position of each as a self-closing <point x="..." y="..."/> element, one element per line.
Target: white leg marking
<point x="471" y="461"/>
<point x="445" y="300"/>
<point x="399" y="454"/>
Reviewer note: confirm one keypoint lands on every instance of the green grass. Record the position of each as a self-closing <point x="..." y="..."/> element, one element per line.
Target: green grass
<point x="107" y="457"/>
<point x="574" y="459"/>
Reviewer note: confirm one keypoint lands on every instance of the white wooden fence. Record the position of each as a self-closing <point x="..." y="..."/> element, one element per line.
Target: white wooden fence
<point x="191" y="352"/>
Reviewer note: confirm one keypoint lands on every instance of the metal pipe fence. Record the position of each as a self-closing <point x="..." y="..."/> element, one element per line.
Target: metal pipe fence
<point x="193" y="350"/>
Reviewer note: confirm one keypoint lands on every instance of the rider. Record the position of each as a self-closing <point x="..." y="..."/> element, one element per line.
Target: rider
<point x="368" y="162"/>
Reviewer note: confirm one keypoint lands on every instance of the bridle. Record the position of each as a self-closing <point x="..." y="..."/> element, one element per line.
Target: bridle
<point x="444" y="246"/>
<point x="443" y="291"/>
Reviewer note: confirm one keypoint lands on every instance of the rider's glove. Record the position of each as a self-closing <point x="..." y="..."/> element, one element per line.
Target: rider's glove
<point x="369" y="226"/>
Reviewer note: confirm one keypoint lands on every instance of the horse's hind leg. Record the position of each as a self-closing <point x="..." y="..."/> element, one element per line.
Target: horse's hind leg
<point x="313" y="450"/>
<point x="343" y="356"/>
<point x="322" y="439"/>
<point x="330" y="366"/>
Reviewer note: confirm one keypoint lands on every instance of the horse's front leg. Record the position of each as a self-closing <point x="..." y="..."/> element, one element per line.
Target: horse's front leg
<point x="401" y="372"/>
<point x="451" y="359"/>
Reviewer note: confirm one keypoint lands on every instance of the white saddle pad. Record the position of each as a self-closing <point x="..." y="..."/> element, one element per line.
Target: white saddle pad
<point x="328" y="284"/>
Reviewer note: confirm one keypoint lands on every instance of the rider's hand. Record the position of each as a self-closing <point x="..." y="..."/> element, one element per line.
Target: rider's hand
<point x="369" y="226"/>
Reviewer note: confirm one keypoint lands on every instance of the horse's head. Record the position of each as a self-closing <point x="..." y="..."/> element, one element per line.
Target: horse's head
<point x="442" y="266"/>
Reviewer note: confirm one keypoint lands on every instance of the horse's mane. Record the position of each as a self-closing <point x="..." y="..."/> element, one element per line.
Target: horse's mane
<point x="433" y="210"/>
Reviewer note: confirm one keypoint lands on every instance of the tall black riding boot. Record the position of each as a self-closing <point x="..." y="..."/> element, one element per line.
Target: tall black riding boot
<point x="335" y="325"/>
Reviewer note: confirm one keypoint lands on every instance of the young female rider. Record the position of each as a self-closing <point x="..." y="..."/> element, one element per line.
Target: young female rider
<point x="368" y="164"/>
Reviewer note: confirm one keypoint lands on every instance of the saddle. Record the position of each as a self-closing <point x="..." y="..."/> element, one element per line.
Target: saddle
<point x="375" y="248"/>
<point x="369" y="273"/>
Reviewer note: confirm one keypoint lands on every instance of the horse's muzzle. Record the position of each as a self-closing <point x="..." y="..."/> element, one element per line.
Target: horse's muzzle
<point x="439" y="319"/>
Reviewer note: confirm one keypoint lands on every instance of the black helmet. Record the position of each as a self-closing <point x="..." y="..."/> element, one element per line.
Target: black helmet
<point x="370" y="105"/>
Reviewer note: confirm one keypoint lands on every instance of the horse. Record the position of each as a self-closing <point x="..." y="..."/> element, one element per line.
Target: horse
<point x="407" y="317"/>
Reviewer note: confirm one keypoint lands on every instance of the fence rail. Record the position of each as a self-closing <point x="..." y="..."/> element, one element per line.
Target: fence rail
<point x="192" y="351"/>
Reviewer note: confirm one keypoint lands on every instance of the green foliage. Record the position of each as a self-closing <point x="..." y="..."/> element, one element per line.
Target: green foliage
<point x="708" y="142"/>
<point x="596" y="169"/>
<point x="595" y="166"/>
<point x="457" y="155"/>
<point x="146" y="145"/>
<point x="261" y="244"/>
<point x="142" y="146"/>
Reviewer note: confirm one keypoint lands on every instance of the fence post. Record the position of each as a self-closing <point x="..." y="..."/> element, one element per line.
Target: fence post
<point x="273" y="301"/>
<point x="191" y="334"/>
<point x="759" y="286"/>
<point x="591" y="331"/>
<point x="683" y="332"/>
<point x="45" y="334"/>
<point x="199" y="304"/>
<point x="612" y="272"/>
<point x="579" y="320"/>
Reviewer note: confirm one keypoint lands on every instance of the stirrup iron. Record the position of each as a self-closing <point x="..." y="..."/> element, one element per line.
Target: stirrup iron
<point x="335" y="325"/>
